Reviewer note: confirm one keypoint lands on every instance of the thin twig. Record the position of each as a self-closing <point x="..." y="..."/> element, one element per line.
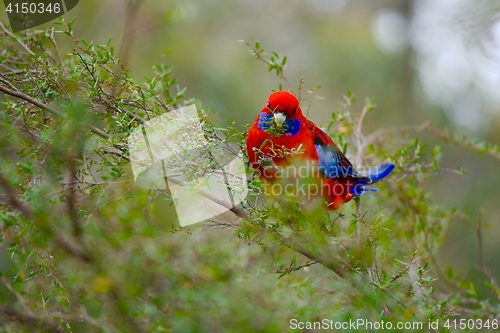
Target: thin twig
<point x="24" y="46"/>
<point x="310" y="102"/>
<point x="7" y="82"/>
<point x="297" y="268"/>
<point x="72" y="201"/>
<point x="359" y="135"/>
<point x="24" y="318"/>
<point x="236" y="210"/>
<point x="24" y="304"/>
<point x="27" y="98"/>
<point x="129" y="30"/>
<point x="75" y="251"/>
<point x="299" y="89"/>
<point x="327" y="259"/>
<point x="13" y="198"/>
<point x="53" y="41"/>
<point x="107" y="102"/>
<point x="260" y="57"/>
<point x="482" y="258"/>
<point x="28" y="213"/>
<point x="425" y="127"/>
<point x="11" y="71"/>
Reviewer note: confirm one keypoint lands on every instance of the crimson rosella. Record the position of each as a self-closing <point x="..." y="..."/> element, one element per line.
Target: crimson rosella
<point x="284" y="146"/>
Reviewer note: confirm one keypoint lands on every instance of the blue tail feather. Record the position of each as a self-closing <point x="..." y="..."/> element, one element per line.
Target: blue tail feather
<point x="375" y="174"/>
<point x="379" y="172"/>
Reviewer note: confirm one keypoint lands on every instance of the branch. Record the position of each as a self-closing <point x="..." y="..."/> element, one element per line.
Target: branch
<point x="129" y="31"/>
<point x="99" y="88"/>
<point x="21" y="95"/>
<point x="24" y="318"/>
<point x="75" y="251"/>
<point x="24" y="46"/>
<point x="53" y="41"/>
<point x="14" y="200"/>
<point x="326" y="258"/>
<point x="240" y="212"/>
<point x="426" y="127"/>
<point x="296" y="268"/>
<point x="322" y="255"/>
<point x="484" y="266"/>
<point x="359" y="135"/>
<point x="28" y="213"/>
<point x="27" y="98"/>
<point x="258" y="55"/>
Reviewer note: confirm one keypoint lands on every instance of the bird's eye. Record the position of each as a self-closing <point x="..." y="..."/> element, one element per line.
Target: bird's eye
<point x="268" y="105"/>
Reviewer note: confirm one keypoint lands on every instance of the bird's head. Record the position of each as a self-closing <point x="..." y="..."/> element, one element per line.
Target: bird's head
<point x="281" y="115"/>
<point x="283" y="105"/>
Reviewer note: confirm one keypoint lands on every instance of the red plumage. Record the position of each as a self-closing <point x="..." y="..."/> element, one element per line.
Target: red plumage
<point x="282" y="138"/>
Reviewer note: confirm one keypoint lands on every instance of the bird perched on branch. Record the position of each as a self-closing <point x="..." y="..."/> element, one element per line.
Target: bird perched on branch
<point x="295" y="158"/>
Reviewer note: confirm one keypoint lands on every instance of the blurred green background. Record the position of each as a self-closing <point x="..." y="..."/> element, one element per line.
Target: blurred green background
<point x="420" y="60"/>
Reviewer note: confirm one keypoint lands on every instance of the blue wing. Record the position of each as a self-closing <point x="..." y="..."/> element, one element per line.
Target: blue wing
<point x="334" y="164"/>
<point x="331" y="161"/>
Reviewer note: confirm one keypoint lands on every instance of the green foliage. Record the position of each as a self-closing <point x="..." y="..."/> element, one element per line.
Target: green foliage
<point x="90" y="251"/>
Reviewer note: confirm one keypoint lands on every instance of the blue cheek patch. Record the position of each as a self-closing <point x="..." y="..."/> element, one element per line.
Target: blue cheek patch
<point x="265" y="121"/>
<point x="292" y="127"/>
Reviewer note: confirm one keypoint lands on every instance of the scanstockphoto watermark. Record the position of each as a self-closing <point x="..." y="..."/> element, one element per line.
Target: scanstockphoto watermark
<point x="355" y="325"/>
<point x="172" y="152"/>
<point x="365" y="324"/>
<point x="304" y="189"/>
<point x="309" y="169"/>
<point x="307" y="180"/>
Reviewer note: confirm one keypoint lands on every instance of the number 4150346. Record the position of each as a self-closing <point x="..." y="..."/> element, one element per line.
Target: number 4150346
<point x="472" y="324"/>
<point x="33" y="8"/>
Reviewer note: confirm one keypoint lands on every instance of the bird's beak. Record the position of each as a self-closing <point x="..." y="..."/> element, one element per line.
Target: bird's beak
<point x="279" y="118"/>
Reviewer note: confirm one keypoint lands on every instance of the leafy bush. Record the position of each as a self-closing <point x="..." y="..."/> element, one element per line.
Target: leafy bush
<point x="90" y="251"/>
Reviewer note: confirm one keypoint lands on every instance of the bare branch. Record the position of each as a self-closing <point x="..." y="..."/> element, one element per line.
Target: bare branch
<point x="23" y="96"/>
<point x="13" y="198"/>
<point x="236" y="210"/>
<point x="75" y="251"/>
<point x="359" y="135"/>
<point x="28" y="213"/>
<point x="129" y="30"/>
<point x="107" y="101"/>
<point x="53" y="41"/>
<point x="296" y="268"/>
<point x="26" y="319"/>
<point x="260" y="57"/>
<point x="24" y="46"/>
<point x="482" y="259"/>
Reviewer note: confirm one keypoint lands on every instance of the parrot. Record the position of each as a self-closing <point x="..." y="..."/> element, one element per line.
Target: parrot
<point x="283" y="146"/>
